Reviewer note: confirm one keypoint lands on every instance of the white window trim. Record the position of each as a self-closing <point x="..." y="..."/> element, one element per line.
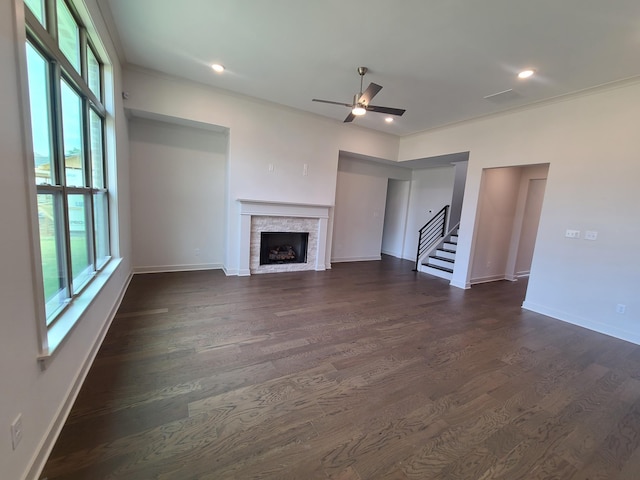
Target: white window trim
<point x="50" y="339"/>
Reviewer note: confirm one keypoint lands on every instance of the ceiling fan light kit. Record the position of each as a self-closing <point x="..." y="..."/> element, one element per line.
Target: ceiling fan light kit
<point x="361" y="104"/>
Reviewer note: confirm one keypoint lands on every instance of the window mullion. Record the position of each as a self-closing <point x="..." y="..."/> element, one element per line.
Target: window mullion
<point x="88" y="169"/>
<point x="67" y="242"/>
<point x="83" y="55"/>
<point x="91" y="232"/>
<point x="63" y="246"/>
<point x="86" y="143"/>
<point x="64" y="252"/>
<point x="52" y="19"/>
<point x="56" y="120"/>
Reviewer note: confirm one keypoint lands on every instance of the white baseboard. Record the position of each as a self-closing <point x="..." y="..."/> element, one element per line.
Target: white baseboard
<point x="464" y="286"/>
<point x="489" y="278"/>
<point x="48" y="442"/>
<point x="178" y="268"/>
<point x="355" y="259"/>
<point x="516" y="276"/>
<point x="606" y="329"/>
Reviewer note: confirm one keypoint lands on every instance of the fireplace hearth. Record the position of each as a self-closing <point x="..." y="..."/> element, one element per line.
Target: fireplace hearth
<point x="283" y="247"/>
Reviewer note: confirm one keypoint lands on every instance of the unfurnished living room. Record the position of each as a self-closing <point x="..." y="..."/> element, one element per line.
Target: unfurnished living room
<point x="337" y="240"/>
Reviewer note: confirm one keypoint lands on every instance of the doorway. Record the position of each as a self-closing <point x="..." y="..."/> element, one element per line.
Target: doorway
<point x="509" y="208"/>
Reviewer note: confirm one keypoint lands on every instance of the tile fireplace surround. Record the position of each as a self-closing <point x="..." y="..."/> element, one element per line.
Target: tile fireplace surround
<point x="258" y="216"/>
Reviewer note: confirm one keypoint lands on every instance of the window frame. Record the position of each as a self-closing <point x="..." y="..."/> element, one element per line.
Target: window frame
<point x="55" y="327"/>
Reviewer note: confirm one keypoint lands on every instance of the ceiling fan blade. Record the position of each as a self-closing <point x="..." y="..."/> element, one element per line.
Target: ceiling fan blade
<point x="332" y="103"/>
<point x="388" y="110"/>
<point x="349" y="118"/>
<point x="371" y="91"/>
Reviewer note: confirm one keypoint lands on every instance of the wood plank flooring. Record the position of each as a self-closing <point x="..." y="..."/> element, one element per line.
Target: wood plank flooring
<point x="366" y="371"/>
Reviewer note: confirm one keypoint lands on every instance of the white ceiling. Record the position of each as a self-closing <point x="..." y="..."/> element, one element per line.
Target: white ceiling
<point x="435" y="58"/>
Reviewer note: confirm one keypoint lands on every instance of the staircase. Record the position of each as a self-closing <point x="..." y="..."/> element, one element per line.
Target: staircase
<point x="440" y="262"/>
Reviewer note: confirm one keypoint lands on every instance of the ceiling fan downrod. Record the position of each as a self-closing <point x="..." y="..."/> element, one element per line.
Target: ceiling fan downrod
<point x="361" y="72"/>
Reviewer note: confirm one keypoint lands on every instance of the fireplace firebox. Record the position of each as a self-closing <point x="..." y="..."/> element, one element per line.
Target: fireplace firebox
<point x="283" y="247"/>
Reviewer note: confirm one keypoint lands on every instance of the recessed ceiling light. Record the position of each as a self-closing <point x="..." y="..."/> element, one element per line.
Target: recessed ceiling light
<point x="526" y="73"/>
<point x="389" y="119"/>
<point x="217" y="68"/>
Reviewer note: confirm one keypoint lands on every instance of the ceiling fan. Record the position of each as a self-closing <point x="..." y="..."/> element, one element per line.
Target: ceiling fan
<point x="360" y="104"/>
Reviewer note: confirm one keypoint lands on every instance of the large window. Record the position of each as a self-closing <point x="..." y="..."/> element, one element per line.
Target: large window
<point x="66" y="81"/>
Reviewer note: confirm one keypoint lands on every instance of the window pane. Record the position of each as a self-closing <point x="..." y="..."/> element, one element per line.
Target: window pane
<point x="68" y="34"/>
<point x="101" y="213"/>
<point x="97" y="160"/>
<point x="81" y="267"/>
<point x="38" y="71"/>
<point x="52" y="252"/>
<point x="72" y="136"/>
<point x="94" y="72"/>
<point x="37" y="8"/>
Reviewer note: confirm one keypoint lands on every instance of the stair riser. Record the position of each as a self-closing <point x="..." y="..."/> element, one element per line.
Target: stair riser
<point x="449" y="246"/>
<point x="440" y="263"/>
<point x="436" y="273"/>
<point x="442" y="253"/>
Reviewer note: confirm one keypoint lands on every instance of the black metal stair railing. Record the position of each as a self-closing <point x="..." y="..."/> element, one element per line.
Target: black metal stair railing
<point x="432" y="231"/>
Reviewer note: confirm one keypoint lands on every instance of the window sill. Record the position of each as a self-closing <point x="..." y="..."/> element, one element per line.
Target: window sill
<point x="59" y="332"/>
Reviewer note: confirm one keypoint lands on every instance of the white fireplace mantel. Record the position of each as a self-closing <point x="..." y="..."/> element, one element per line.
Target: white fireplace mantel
<point x="262" y="208"/>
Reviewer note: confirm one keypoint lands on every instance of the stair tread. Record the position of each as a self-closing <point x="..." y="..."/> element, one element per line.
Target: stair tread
<point x="446" y="250"/>
<point x="444" y="269"/>
<point x="444" y="259"/>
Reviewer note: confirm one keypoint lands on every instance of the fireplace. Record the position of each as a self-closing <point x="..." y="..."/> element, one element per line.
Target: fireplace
<point x="259" y="216"/>
<point x="283" y="247"/>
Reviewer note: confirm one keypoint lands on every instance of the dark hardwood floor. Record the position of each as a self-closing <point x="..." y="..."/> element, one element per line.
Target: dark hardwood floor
<point x="366" y="371"/>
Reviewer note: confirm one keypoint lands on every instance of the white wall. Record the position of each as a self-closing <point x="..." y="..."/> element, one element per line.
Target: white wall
<point x="431" y="189"/>
<point x="361" y="198"/>
<point x="457" y="197"/>
<point x="43" y="397"/>
<point x="526" y="221"/>
<point x="591" y="143"/>
<point x="395" y="217"/>
<point x="178" y="203"/>
<point x="530" y="222"/>
<point x="494" y="223"/>
<point x="358" y="217"/>
<point x="262" y="135"/>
